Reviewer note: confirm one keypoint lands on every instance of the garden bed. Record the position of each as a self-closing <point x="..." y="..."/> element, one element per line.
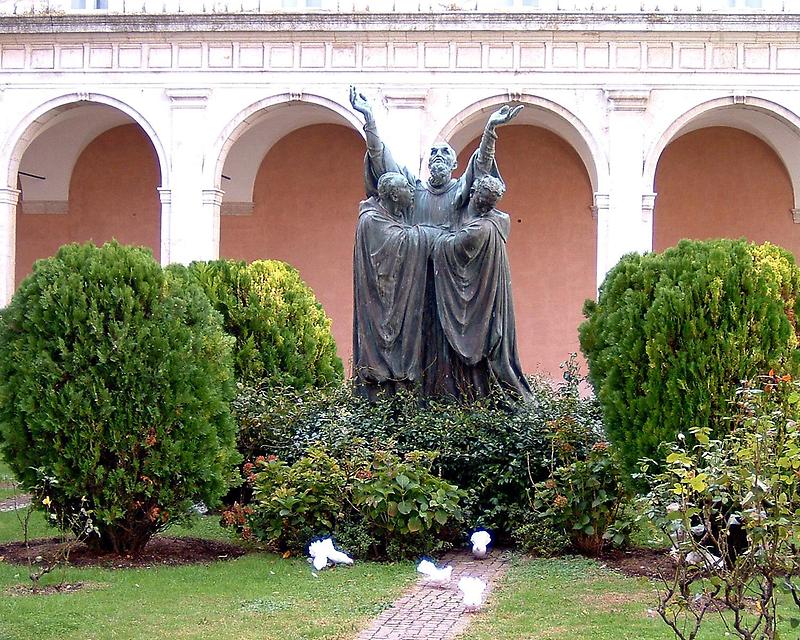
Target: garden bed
<point x="164" y="550"/>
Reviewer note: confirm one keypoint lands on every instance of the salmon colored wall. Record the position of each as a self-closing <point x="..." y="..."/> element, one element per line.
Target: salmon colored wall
<point x="113" y="194"/>
<point x="306" y="199"/>
<point x="553" y="243"/>
<point x="723" y="182"/>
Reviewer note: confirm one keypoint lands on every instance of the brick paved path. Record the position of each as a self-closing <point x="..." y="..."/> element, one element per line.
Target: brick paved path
<point x="431" y="613"/>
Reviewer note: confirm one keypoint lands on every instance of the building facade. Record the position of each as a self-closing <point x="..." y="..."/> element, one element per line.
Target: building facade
<point x="203" y="130"/>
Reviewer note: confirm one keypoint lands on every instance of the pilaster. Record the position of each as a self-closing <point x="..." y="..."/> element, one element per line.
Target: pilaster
<point x="8" y="235"/>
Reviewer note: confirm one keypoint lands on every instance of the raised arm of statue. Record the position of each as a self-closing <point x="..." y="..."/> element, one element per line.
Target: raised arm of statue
<point x="379" y="159"/>
<point x="360" y="103"/>
<point x="502" y="116"/>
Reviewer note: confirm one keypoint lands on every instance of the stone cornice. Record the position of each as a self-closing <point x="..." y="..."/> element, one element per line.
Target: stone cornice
<point x="772" y="24"/>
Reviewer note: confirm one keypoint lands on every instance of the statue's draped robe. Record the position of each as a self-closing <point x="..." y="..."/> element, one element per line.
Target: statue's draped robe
<point x="475" y="309"/>
<point x="438" y="206"/>
<point x="390" y="264"/>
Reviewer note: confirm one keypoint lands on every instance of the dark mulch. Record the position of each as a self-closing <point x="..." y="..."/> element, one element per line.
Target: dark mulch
<point x="48" y="590"/>
<point x="160" y="551"/>
<point x="650" y="563"/>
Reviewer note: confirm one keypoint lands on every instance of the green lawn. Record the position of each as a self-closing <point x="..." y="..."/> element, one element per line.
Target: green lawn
<point x="575" y="599"/>
<point x="266" y="597"/>
<point x="256" y="596"/>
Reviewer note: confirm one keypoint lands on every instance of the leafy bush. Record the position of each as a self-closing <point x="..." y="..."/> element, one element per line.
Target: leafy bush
<point x="673" y="334"/>
<point x="490" y="449"/>
<point x="732" y="510"/>
<point x="296" y="503"/>
<point x="405" y="501"/>
<point x="115" y="381"/>
<point x="282" y="333"/>
<point x="383" y="505"/>
<point x="540" y="537"/>
<point x="584" y="498"/>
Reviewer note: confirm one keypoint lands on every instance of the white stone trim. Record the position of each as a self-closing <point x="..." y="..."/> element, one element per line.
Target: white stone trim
<point x="648" y="206"/>
<point x="188" y="98"/>
<point x="36" y="119"/>
<point x="627" y="99"/>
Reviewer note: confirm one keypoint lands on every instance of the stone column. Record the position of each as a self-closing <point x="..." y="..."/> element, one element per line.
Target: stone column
<point x="165" y="196"/>
<point x="628" y="228"/>
<point x="191" y="231"/>
<point x="600" y="212"/>
<point x="8" y="233"/>
<point x="212" y="204"/>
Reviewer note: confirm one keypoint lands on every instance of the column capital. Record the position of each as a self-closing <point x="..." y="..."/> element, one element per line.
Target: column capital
<point x="213" y="196"/>
<point x="165" y="195"/>
<point x="600" y="204"/>
<point x="795" y="216"/>
<point x="9" y="196"/>
<point x="648" y="204"/>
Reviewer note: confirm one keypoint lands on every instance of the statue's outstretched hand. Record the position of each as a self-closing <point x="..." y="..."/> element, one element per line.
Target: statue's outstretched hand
<point x="503" y="115"/>
<point x="360" y="103"/>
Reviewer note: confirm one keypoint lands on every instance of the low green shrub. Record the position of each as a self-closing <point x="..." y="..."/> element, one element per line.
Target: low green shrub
<point x="492" y="450"/>
<point x="295" y="503"/>
<point x="539" y="537"/>
<point x="404" y="500"/>
<point x="115" y="382"/>
<point x="584" y="499"/>
<point x="283" y="335"/>
<point x="385" y="506"/>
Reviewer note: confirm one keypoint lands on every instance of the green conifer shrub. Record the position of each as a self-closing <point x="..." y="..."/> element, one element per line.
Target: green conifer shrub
<point x="283" y="335"/>
<point x="115" y="384"/>
<point x="673" y="334"/>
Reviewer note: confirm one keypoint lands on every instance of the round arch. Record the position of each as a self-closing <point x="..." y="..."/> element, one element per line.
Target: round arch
<point x="762" y="118"/>
<point x="541" y="112"/>
<point x="306" y="109"/>
<point x="39" y="119"/>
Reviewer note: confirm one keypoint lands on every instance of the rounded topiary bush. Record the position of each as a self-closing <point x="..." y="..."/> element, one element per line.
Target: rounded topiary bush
<point x="115" y="384"/>
<point x="283" y="335"/>
<point x="673" y="334"/>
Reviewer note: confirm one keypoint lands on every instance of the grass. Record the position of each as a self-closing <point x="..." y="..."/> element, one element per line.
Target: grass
<point x="578" y="599"/>
<point x="264" y="596"/>
<point x="259" y="595"/>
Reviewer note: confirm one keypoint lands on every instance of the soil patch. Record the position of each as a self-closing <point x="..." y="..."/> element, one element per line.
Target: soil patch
<point x="160" y="551"/>
<point x="49" y="590"/>
<point x="611" y="602"/>
<point x="649" y="563"/>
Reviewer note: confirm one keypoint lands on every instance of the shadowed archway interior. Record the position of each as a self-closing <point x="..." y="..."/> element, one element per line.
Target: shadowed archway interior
<point x="112" y="194"/>
<point x="721" y="182"/>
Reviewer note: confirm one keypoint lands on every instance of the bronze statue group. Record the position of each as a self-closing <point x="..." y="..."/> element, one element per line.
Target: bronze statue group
<point x="433" y="312"/>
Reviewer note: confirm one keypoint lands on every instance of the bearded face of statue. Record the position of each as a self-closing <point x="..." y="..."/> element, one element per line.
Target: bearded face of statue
<point x="442" y="162"/>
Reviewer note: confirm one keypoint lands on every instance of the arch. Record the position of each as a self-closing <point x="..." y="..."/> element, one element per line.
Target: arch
<point x="469" y="123"/>
<point x="307" y="109"/>
<point x="44" y="116"/>
<point x="762" y="118"/>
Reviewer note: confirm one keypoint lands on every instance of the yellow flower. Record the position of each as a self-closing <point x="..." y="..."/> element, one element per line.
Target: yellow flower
<point x="46" y="502"/>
